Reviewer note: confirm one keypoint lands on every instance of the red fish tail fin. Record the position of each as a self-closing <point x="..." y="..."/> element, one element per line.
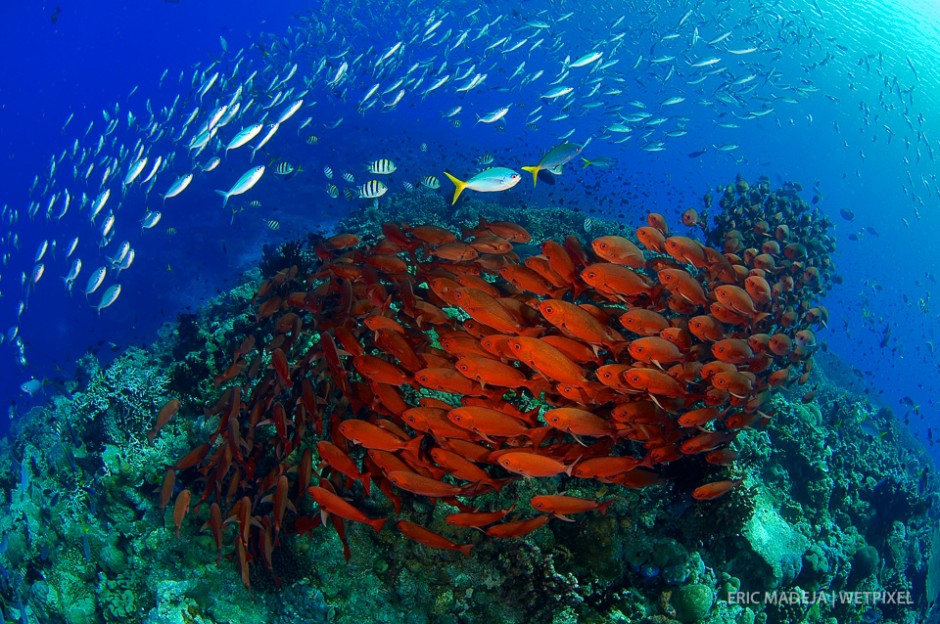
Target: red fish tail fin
<point x="538" y="386"/>
<point x="572" y="465"/>
<point x="414" y="445"/>
<point x="617" y="348"/>
<point x="465" y="549"/>
<point x="366" y="480"/>
<point x="577" y="288"/>
<point x="537" y="435"/>
<point x="532" y="332"/>
<point x="760" y="316"/>
<point x="377" y="524"/>
<point x="605" y="505"/>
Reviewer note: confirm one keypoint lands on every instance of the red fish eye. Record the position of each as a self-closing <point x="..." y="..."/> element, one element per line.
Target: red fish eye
<point x="549" y="310"/>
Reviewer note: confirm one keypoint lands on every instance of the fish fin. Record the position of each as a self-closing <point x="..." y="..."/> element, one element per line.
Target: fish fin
<point x="616" y="348"/>
<point x="224" y="199"/>
<point x="538" y="434"/>
<point x="535" y="174"/>
<point x="414" y="445"/>
<point x="460" y="186"/>
<point x="587" y="163"/>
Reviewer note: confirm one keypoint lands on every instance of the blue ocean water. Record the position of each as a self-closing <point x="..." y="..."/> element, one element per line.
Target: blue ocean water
<point x="837" y="96"/>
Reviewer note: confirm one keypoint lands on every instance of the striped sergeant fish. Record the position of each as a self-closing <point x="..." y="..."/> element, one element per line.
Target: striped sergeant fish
<point x="383" y="166"/>
<point x="372" y="189"/>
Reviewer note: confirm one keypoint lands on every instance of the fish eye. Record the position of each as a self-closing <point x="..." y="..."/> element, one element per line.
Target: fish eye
<point x="549" y="309"/>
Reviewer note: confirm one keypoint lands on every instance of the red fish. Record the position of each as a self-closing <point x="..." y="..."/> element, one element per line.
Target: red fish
<point x="424" y="486"/>
<point x="651" y="349"/>
<point x="578" y="422"/>
<point x="449" y="380"/>
<point x="281" y="367"/>
<point x="510" y="231"/>
<point x="491" y="372"/>
<point x="368" y="435"/>
<point x="562" y="506"/>
<point x="333" y="504"/>
<point x="604" y="467"/>
<point x="166" y="491"/>
<point x="461" y="468"/>
<point x="713" y="490"/>
<point x="578" y="323"/>
<point x="517" y="528"/>
<point x="180" y="509"/>
<point x="487" y="423"/>
<point x="532" y="465"/>
<point x="615" y="281"/>
<point x="644" y="322"/>
<point x="378" y="370"/>
<point x="547" y="360"/>
<point x="429" y="538"/>
<point x="339" y="461"/>
<point x="619" y="250"/>
<point x="169" y="409"/>
<point x="477" y="518"/>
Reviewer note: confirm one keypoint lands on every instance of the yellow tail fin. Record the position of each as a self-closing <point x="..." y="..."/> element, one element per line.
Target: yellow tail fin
<point x="535" y="174"/>
<point x="460" y="186"/>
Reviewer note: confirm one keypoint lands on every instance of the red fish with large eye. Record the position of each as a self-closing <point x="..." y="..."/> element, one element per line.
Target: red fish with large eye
<point x="562" y="506"/>
<point x="618" y="250"/>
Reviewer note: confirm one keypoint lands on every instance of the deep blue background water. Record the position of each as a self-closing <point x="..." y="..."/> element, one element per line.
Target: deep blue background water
<point x="833" y="140"/>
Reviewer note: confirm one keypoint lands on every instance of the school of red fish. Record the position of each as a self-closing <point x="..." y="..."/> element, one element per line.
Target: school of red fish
<point x="437" y="365"/>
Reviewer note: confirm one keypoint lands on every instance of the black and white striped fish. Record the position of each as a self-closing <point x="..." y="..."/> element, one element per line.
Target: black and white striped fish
<point x="372" y="190"/>
<point x="382" y="166"/>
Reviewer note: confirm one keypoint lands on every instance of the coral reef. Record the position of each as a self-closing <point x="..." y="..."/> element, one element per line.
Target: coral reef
<point x="83" y="537"/>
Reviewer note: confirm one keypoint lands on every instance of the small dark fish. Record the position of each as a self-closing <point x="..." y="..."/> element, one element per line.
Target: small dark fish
<point x="697" y="153"/>
<point x="847" y="214"/>
<point x="871" y="230"/>
<point x="546" y="177"/>
<point x="885" y="336"/>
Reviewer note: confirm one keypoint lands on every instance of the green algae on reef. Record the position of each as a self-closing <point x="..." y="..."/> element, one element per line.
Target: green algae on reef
<point x="836" y="497"/>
